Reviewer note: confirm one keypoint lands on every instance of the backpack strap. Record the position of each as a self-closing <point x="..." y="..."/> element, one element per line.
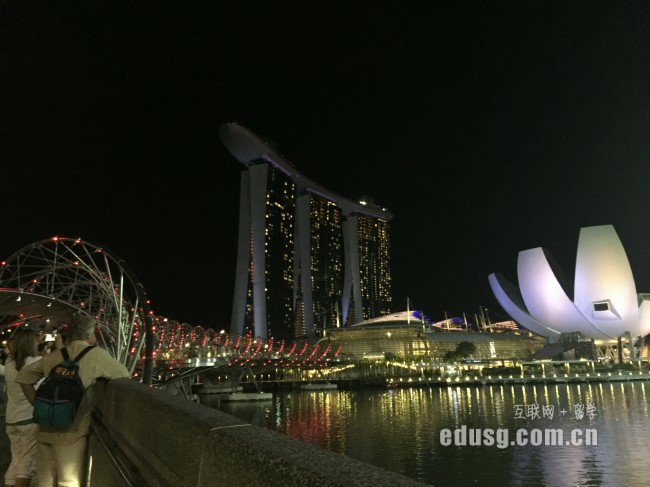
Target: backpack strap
<point x="83" y="352"/>
<point x="64" y="352"/>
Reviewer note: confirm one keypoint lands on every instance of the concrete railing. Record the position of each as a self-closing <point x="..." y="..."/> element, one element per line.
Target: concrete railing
<point x="144" y="436"/>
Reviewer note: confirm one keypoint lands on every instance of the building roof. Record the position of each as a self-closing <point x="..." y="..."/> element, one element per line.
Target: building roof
<point x="247" y="148"/>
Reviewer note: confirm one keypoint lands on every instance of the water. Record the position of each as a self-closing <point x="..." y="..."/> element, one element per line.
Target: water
<point x="400" y="430"/>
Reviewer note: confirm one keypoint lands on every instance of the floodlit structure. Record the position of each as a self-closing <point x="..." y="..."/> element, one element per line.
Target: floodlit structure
<point x="307" y="257"/>
<point x="602" y="303"/>
<point x="407" y="336"/>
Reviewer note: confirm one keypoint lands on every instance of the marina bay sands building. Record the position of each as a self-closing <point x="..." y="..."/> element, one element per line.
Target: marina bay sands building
<point x="307" y="258"/>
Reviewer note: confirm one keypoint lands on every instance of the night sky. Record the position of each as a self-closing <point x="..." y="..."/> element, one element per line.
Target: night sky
<point x="485" y="127"/>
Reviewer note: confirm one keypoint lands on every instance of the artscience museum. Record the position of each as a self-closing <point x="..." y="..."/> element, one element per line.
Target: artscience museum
<point x="601" y="303"/>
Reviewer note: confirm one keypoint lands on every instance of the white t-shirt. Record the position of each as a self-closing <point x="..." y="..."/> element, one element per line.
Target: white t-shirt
<point x="18" y="407"/>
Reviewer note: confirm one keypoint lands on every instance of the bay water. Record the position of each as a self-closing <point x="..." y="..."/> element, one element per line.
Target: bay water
<point x="441" y="436"/>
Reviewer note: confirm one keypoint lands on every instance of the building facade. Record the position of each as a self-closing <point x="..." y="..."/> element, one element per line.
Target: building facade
<point x="409" y="338"/>
<point x="374" y="271"/>
<point x="307" y="257"/>
<point x="601" y="303"/>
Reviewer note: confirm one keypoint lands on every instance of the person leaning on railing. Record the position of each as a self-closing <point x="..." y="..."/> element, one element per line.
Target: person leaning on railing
<point x="61" y="453"/>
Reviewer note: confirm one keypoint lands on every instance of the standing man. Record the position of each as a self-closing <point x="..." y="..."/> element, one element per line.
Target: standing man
<point x="61" y="453"/>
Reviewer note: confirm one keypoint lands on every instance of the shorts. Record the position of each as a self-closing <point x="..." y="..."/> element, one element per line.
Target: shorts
<point x="23" y="452"/>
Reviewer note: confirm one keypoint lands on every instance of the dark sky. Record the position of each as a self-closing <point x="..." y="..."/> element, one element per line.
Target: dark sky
<point x="486" y="127"/>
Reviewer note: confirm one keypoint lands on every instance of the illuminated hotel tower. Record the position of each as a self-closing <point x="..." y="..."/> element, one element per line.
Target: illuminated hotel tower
<point x="306" y="257"/>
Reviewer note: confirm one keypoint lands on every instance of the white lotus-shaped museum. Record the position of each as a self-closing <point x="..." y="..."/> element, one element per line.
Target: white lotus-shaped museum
<point x="604" y="306"/>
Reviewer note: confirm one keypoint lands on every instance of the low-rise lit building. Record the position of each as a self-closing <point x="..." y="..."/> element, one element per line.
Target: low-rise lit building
<point x="404" y="336"/>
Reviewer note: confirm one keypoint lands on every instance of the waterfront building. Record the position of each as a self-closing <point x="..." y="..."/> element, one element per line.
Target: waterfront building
<point x="307" y="258"/>
<point x="600" y="303"/>
<point x="374" y="269"/>
<point x="406" y="336"/>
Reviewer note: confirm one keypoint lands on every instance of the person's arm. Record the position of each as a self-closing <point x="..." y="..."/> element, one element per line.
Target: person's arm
<point x="116" y="371"/>
<point x="29" y="391"/>
<point x="28" y="376"/>
<point x="108" y="367"/>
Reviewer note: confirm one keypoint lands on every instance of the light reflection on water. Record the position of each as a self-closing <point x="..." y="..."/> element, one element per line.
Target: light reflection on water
<point x="400" y="430"/>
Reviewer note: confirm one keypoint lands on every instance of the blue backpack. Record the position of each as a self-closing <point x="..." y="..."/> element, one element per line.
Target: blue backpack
<point x="57" y="399"/>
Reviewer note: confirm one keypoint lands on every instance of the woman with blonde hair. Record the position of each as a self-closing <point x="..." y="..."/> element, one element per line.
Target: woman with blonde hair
<point x="21" y="430"/>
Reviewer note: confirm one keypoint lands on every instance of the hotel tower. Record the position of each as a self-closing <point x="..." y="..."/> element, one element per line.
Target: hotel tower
<point x="307" y="258"/>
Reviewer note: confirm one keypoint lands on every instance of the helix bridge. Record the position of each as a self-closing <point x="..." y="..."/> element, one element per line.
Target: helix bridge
<point x="48" y="284"/>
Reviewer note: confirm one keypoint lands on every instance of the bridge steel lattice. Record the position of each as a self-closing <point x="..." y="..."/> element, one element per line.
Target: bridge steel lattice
<point x="52" y="281"/>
